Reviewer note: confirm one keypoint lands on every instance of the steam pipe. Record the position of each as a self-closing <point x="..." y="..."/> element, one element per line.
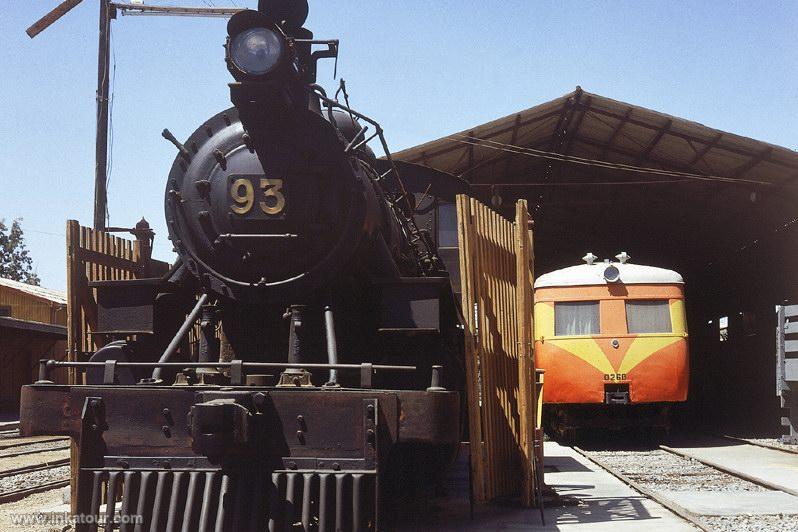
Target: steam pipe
<point x="181" y="333"/>
<point x="332" y="344"/>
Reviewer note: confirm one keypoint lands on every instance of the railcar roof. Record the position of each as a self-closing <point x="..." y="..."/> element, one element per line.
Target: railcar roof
<point x="592" y="274"/>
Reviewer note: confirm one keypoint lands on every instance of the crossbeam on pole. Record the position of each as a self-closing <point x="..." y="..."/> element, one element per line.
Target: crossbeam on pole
<point x="176" y="11"/>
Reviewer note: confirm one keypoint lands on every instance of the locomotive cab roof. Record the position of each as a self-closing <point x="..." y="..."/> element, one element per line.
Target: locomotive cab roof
<point x="596" y="273"/>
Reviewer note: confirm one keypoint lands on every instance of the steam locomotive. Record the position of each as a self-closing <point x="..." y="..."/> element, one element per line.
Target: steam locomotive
<point x="324" y="380"/>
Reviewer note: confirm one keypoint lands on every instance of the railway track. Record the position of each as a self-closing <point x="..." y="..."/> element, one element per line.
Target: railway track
<point x="671" y="476"/>
<point x="21" y="474"/>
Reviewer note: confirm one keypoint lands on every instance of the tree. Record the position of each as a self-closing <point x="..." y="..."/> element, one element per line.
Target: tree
<point x="15" y="263"/>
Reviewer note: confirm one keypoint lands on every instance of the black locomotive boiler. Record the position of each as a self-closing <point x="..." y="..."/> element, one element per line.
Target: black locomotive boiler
<point x="323" y="383"/>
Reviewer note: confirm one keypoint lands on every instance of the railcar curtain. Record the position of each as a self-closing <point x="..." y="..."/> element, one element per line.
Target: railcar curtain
<point x="575" y="318"/>
<point x="648" y="317"/>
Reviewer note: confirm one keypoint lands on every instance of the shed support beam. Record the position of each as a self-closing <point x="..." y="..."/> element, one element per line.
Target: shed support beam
<point x="739" y="172"/>
<point x="572" y="132"/>
<point x="651" y="145"/>
<point x="471" y="150"/>
<point x="615" y="133"/>
<point x="513" y="140"/>
<point x="700" y="155"/>
<point x="449" y="148"/>
<point x="685" y="136"/>
<point x="566" y="117"/>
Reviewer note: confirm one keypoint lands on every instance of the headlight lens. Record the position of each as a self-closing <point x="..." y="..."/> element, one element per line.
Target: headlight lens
<point x="256" y="51"/>
<point x="612" y="274"/>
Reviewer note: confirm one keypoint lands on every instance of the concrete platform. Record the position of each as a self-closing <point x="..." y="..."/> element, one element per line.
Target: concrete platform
<point x="778" y="469"/>
<point x="735" y="503"/>
<point x="606" y="504"/>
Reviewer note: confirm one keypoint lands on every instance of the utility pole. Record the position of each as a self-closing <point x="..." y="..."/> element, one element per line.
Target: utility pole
<point x="101" y="145"/>
<point x="108" y="11"/>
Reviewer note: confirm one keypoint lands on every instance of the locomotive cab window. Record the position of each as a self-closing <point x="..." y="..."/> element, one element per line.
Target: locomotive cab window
<point x="648" y="317"/>
<point x="574" y="318"/>
<point x="447" y="225"/>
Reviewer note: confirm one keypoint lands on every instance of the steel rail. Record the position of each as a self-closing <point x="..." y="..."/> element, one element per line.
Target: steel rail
<point x="4" y="446"/>
<point x="651" y="494"/>
<point x="34" y="467"/>
<point x="759" y="444"/>
<point x="34" y="451"/>
<point x="733" y="472"/>
<point x="15" y="495"/>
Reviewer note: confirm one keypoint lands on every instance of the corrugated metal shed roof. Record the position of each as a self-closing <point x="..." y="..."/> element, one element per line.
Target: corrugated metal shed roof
<point x="585" y="125"/>
<point x="54" y="296"/>
<point x="606" y="175"/>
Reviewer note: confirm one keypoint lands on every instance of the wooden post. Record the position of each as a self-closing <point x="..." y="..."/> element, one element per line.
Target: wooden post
<point x="465" y="241"/>
<point x="73" y="338"/>
<point x="527" y="399"/>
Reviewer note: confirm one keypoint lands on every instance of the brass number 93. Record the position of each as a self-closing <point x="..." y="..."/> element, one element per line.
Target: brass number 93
<point x="243" y="194"/>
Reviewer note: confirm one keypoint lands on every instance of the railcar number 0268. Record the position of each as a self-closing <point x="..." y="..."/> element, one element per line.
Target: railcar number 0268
<point x="272" y="198"/>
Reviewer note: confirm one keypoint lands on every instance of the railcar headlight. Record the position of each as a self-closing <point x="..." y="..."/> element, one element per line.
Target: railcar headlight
<point x="612" y="274"/>
<point x="257" y="51"/>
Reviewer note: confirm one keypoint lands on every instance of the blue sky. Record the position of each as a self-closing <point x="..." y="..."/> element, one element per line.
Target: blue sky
<point x="423" y="69"/>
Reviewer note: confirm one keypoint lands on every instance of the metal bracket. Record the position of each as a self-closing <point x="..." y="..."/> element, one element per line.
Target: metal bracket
<point x="93" y="415"/>
<point x="366" y="375"/>
<point x="236" y="372"/>
<point x="109" y="372"/>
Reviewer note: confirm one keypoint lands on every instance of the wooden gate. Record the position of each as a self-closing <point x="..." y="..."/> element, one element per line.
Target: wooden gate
<point x="496" y="266"/>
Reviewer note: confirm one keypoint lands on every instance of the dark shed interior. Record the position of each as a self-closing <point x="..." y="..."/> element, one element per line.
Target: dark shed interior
<point x="606" y="176"/>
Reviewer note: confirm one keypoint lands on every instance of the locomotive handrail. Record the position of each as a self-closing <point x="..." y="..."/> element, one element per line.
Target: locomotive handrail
<point x="236" y="367"/>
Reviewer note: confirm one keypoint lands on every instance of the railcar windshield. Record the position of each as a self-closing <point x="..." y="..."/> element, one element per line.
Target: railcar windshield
<point x="648" y="317"/>
<point x="574" y="318"/>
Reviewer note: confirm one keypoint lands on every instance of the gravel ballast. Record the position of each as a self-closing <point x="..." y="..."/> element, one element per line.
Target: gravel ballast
<point x="661" y="471"/>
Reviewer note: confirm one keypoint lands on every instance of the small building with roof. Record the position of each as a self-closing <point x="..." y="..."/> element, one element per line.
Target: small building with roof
<point x="32" y="327"/>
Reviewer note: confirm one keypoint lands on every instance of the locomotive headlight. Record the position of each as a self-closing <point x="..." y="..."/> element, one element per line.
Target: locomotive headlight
<point x="257" y="51"/>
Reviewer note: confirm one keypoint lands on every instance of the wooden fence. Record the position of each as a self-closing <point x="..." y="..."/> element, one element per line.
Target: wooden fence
<point x="99" y="256"/>
<point x="496" y="264"/>
<point x="94" y="255"/>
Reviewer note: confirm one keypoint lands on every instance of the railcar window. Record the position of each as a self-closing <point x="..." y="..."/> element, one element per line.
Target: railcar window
<point x="576" y="318"/>
<point x="447" y="225"/>
<point x="648" y="317"/>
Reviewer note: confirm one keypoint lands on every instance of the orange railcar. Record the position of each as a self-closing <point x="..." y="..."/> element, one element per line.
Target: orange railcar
<point x="612" y="338"/>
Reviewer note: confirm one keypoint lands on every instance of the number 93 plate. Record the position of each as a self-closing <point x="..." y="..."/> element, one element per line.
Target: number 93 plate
<point x="256" y="196"/>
